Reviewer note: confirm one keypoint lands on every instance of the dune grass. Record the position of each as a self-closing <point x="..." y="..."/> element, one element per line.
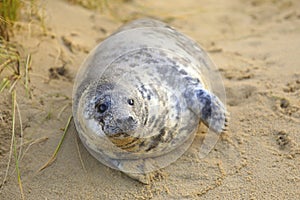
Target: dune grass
<point x="9" y="10"/>
<point x="14" y="71"/>
<point x="9" y="55"/>
<point x="14" y="143"/>
<point x="13" y="68"/>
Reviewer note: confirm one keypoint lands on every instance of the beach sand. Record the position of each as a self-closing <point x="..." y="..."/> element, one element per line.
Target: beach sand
<point x="256" y="46"/>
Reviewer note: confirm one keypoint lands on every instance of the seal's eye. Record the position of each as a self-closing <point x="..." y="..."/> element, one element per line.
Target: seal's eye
<point x="101" y="108"/>
<point x="130" y="102"/>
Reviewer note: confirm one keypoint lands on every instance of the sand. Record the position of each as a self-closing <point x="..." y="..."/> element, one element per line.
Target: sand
<point x="255" y="44"/>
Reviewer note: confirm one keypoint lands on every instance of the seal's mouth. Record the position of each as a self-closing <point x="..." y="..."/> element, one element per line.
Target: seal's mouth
<point x="127" y="142"/>
<point x="123" y="140"/>
<point x="114" y="128"/>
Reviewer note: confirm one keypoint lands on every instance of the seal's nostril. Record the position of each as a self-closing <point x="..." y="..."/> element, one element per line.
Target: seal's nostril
<point x="101" y="121"/>
<point x="130" y="119"/>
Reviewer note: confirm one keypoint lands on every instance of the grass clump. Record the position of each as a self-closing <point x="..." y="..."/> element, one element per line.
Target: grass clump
<point x="13" y="68"/>
<point x="9" y="10"/>
<point x="14" y="72"/>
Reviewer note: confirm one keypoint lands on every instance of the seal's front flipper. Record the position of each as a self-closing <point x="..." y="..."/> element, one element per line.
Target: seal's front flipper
<point x="142" y="170"/>
<point x="209" y="108"/>
<point x="146" y="178"/>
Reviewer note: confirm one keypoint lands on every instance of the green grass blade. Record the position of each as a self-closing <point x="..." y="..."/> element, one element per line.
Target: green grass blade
<point x="28" y="63"/>
<point x="53" y="157"/>
<point x="14" y="102"/>
<point x="4" y="83"/>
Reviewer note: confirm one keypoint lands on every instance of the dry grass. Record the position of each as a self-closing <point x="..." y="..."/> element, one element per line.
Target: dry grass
<point x="22" y="13"/>
<point x="14" y="68"/>
<point x="9" y="10"/>
<point x="14" y="143"/>
<point x="14" y="73"/>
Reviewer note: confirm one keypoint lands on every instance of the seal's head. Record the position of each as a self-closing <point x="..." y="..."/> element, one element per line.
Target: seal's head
<point x="117" y="109"/>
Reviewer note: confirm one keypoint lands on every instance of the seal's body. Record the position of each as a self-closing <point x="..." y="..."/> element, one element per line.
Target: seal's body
<point x="140" y="95"/>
